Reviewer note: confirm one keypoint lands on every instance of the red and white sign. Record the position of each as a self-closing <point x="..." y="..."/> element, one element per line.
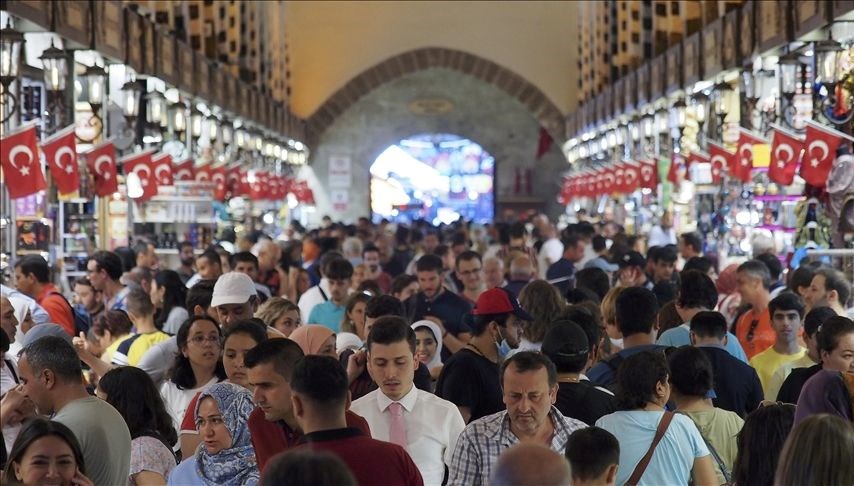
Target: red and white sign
<point x="786" y="148"/>
<point x="218" y="177"/>
<point x="719" y="158"/>
<point x="142" y="166"/>
<point x="695" y="157"/>
<point x="184" y="170"/>
<point x="60" y="153"/>
<point x="820" y="148"/>
<point x="101" y="162"/>
<point x="631" y="177"/>
<point x="162" y="166"/>
<point x="22" y="170"/>
<point x="648" y="174"/>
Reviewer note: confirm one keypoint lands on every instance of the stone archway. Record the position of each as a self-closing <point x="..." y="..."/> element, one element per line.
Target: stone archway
<point x="542" y="109"/>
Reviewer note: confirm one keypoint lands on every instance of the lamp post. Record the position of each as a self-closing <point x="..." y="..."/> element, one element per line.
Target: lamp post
<point x="721" y="91"/>
<point x="178" y="119"/>
<point x="700" y="99"/>
<point x="10" y="65"/>
<point x="790" y="70"/>
<point x="131" y="98"/>
<point x="55" y="73"/>
<point x="95" y="77"/>
<point x="157" y="111"/>
<point x="833" y="107"/>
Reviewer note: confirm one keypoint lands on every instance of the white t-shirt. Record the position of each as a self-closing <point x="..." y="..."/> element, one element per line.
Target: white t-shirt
<point x="552" y="250"/>
<point x="658" y="236"/>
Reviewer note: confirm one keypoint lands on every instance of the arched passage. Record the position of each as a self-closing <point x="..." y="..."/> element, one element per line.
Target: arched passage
<point x="540" y="107"/>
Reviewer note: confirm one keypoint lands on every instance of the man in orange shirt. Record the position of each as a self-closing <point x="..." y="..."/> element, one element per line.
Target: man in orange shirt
<point x="753" y="329"/>
<point x="32" y="277"/>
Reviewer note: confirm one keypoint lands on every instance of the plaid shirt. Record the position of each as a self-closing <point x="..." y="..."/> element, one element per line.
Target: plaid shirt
<point x="485" y="439"/>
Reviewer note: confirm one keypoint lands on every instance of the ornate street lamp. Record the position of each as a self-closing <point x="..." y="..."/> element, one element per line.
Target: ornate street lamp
<point x="55" y="74"/>
<point x="95" y="77"/>
<point x="827" y="72"/>
<point x="721" y="91"/>
<point x="157" y="111"/>
<point x="10" y="65"/>
<point x="196" y="122"/>
<point x="178" y="118"/>
<point x="790" y="77"/>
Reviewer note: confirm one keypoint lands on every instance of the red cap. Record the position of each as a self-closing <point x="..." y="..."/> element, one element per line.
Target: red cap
<point x="499" y="301"/>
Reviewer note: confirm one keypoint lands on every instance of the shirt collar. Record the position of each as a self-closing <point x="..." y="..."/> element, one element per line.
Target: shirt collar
<point x="499" y="427"/>
<point x="332" y="434"/>
<point x="408" y="400"/>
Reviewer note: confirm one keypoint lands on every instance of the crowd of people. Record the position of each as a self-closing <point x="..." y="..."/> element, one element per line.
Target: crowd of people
<point x="505" y="354"/>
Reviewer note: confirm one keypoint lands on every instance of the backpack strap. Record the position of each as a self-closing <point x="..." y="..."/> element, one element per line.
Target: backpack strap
<point x="644" y="462"/>
<point x="322" y="293"/>
<point x="725" y="472"/>
<point x="11" y="367"/>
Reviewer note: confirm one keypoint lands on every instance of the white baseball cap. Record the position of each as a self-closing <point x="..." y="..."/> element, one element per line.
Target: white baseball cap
<point x="233" y="288"/>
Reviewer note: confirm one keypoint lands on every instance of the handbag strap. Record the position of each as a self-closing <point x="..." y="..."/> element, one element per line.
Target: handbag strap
<point x="644" y="462"/>
<point x="725" y="472"/>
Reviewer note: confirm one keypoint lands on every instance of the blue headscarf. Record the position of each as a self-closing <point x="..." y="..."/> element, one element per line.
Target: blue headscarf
<point x="237" y="464"/>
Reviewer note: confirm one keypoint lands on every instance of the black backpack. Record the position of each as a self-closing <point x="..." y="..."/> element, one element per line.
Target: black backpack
<point x="82" y="320"/>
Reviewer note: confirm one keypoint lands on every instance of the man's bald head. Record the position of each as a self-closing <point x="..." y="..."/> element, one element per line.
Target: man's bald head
<point x="521" y="268"/>
<point x="525" y="464"/>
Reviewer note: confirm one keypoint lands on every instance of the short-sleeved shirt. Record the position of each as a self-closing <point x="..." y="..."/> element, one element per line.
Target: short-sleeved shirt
<point x="131" y="350"/>
<point x="57" y="307"/>
<point x="767" y="362"/>
<point x="720" y="427"/>
<point x="150" y="454"/>
<point x="605" y="373"/>
<point x="763" y="334"/>
<point x="470" y="380"/>
<point x="327" y="314"/>
<point x="447" y="306"/>
<point x="157" y="360"/>
<point x="737" y="386"/>
<point x="681" y="336"/>
<point x="176" y="317"/>
<point x="103" y="436"/>
<point x="120" y="300"/>
<point x="672" y="460"/>
<point x="584" y="401"/>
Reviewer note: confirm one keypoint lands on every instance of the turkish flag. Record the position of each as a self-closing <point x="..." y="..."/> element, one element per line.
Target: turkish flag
<point x="219" y="178"/>
<point x="101" y="161"/>
<point x="719" y="158"/>
<point x="203" y="173"/>
<point x="695" y="157"/>
<point x="631" y="177"/>
<point x="743" y="162"/>
<point x="677" y="168"/>
<point x="22" y="171"/>
<point x="162" y="166"/>
<point x="619" y="174"/>
<point x="232" y="180"/>
<point x="141" y="164"/>
<point x="820" y="148"/>
<point x="609" y="182"/>
<point x="786" y="149"/>
<point x="648" y="174"/>
<point x="184" y="170"/>
<point x="60" y="152"/>
<point x="258" y="189"/>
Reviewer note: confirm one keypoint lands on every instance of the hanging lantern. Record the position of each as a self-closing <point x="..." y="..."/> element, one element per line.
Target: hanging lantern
<point x="95" y="77"/>
<point x="156" y="108"/>
<point x="826" y="56"/>
<point x="55" y="68"/>
<point x="196" y="121"/>
<point x="178" y="115"/>
<point x="131" y="94"/>
<point x="789" y="64"/>
<point x="10" y="52"/>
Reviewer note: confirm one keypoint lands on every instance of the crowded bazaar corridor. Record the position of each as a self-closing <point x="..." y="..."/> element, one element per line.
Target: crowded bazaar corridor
<point x="405" y="243"/>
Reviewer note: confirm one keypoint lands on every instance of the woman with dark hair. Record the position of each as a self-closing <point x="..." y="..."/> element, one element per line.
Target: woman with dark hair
<point x="818" y="451"/>
<point x="543" y="301"/>
<point x="169" y="294"/>
<point x="680" y="453"/>
<point x="352" y="334"/>
<point x="197" y="365"/>
<point x="759" y="444"/>
<point x="692" y="377"/>
<point x="112" y="328"/>
<point x="131" y="391"/>
<point x="46" y="448"/>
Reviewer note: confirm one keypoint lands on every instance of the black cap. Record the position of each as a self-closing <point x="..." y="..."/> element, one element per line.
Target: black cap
<point x="632" y="259"/>
<point x="565" y="339"/>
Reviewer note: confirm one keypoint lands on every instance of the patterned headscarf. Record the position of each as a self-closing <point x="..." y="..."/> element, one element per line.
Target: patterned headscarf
<point x="237" y="464"/>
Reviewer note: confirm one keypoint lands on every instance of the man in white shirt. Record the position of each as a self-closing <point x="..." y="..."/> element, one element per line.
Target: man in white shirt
<point x="663" y="233"/>
<point x="398" y="412"/>
<point x="319" y="293"/>
<point x="551" y="251"/>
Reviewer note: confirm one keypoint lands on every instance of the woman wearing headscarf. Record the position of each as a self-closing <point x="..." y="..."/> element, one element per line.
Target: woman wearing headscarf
<point x="729" y="299"/>
<point x="226" y="455"/>
<point x="428" y="346"/>
<point x="829" y="392"/>
<point x="315" y="339"/>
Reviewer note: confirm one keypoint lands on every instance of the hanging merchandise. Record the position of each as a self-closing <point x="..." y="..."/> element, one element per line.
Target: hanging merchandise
<point x="743" y="162"/>
<point x="139" y="172"/>
<point x="786" y="149"/>
<point x="60" y="151"/>
<point x="184" y="170"/>
<point x="813" y="225"/>
<point x="820" y="150"/>
<point x="840" y="189"/>
<point x="22" y="171"/>
<point x="101" y="162"/>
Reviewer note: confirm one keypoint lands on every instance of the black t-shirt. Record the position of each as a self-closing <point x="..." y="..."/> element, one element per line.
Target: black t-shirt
<point x="449" y="307"/>
<point x="791" y="388"/>
<point x="583" y="401"/>
<point x="470" y="380"/>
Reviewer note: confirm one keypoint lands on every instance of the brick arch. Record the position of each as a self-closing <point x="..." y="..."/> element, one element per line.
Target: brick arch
<point x="548" y="115"/>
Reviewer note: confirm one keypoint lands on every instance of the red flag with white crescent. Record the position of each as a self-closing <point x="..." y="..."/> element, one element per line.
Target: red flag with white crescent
<point x="101" y="162"/>
<point x="233" y="181"/>
<point x="142" y="166"/>
<point x="677" y="168"/>
<point x="184" y="170"/>
<point x="218" y="177"/>
<point x="743" y="161"/>
<point x="258" y="189"/>
<point x="619" y="174"/>
<point x="162" y="166"/>
<point x="786" y="148"/>
<point x="695" y="157"/>
<point x="60" y="153"/>
<point x="22" y="171"/>
<point x="631" y="177"/>
<point x="203" y="173"/>
<point x="820" y="148"/>
<point x="720" y="158"/>
<point x="648" y="174"/>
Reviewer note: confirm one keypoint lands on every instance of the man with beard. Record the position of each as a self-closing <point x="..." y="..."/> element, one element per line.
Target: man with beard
<point x="371" y="258"/>
<point x="187" y="257"/>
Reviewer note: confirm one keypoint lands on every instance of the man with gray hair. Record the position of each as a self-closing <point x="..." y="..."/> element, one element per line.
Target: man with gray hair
<point x="521" y="272"/>
<point x="528" y="463"/>
<point x="52" y="378"/>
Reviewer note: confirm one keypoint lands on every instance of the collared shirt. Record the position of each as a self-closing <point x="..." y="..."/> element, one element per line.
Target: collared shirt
<point x="485" y="439"/>
<point x="432" y="427"/>
<point x="328" y="314"/>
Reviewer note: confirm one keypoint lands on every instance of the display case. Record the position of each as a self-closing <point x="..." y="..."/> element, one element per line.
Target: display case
<point x="78" y="237"/>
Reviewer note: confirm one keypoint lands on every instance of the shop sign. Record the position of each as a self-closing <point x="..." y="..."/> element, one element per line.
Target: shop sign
<point x="340" y="200"/>
<point x="810" y="16"/>
<point x="630" y="89"/>
<point x="109" y="29"/>
<point x="134" y="41"/>
<point x="773" y="24"/>
<point x="729" y="41"/>
<point x="340" y="171"/>
<point x="186" y="65"/>
<point x="656" y="77"/>
<point x="202" y="78"/>
<point x="673" y="72"/>
<point x="746" y="38"/>
<point x="618" y="97"/>
<point x="166" y="66"/>
<point x="643" y="84"/>
<point x="692" y="59"/>
<point x="150" y="49"/>
<point x="711" y="49"/>
<point x="74" y="23"/>
<point x="37" y="11"/>
<point x="842" y="9"/>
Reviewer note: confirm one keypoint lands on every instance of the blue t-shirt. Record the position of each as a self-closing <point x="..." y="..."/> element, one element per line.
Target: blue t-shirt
<point x="559" y="269"/>
<point x="603" y="374"/>
<point x="681" y="336"/>
<point x="672" y="460"/>
<point x="327" y="314"/>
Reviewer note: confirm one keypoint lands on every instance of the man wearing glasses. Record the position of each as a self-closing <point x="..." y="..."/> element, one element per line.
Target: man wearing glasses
<point x="469" y="267"/>
<point x="753" y="329"/>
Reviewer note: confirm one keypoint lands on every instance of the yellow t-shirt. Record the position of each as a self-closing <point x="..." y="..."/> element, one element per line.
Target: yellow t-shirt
<point x="108" y="354"/>
<point x="131" y="350"/>
<point x="766" y="364"/>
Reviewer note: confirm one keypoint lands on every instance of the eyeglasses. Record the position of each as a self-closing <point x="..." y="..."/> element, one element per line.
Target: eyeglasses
<point x="753" y="325"/>
<point x="200" y="340"/>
